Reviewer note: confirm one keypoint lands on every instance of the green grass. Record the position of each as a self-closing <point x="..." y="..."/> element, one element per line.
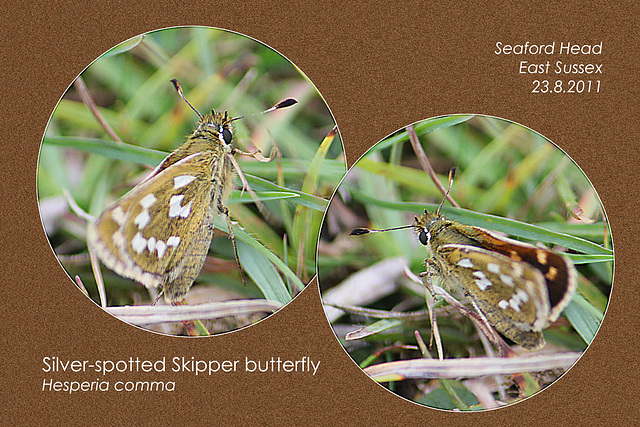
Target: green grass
<point x="131" y="86"/>
<point x="509" y="180"/>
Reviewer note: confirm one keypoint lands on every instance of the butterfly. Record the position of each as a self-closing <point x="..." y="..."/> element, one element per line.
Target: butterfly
<point x="519" y="288"/>
<point x="159" y="233"/>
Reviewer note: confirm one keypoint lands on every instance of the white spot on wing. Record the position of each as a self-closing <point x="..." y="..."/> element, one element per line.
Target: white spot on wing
<point x="482" y="281"/>
<point x="142" y="219"/>
<point x="182" y="180"/>
<point x="186" y="210"/>
<point x="523" y="295"/>
<point x="507" y="280"/>
<point x="503" y="304"/>
<point x="138" y="243"/>
<point x="517" y="300"/>
<point x="176" y="200"/>
<point x="118" y="239"/>
<point x="118" y="215"/>
<point x="493" y="268"/>
<point x="465" y="263"/>
<point x="175" y="206"/>
<point x="518" y="271"/>
<point x="151" y="244"/>
<point x="173" y="241"/>
<point x="147" y="201"/>
<point x="161" y="247"/>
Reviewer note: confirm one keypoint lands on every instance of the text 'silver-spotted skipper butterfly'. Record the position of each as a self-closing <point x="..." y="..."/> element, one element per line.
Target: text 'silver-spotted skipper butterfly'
<point x="159" y="232"/>
<point x="519" y="288"/>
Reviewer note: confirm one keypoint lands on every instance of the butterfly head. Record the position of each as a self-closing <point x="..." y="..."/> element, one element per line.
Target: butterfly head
<point x="216" y="126"/>
<point x="428" y="223"/>
<point x="424" y="225"/>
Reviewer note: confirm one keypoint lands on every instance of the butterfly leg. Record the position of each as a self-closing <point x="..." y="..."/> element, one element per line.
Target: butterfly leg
<point x="256" y="154"/>
<point x="243" y="179"/>
<point x="435" y="332"/>
<point x="432" y="269"/>
<point x="225" y="211"/>
<point x="245" y="186"/>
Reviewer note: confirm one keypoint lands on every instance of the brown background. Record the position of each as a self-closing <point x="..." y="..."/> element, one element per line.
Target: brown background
<point x="379" y="68"/>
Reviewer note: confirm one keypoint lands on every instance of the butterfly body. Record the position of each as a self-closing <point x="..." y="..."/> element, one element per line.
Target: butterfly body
<point x="159" y="233"/>
<point x="518" y="287"/>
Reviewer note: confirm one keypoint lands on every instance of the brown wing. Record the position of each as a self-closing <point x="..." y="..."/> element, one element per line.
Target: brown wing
<point x="558" y="271"/>
<point x="160" y="223"/>
<point x="514" y="288"/>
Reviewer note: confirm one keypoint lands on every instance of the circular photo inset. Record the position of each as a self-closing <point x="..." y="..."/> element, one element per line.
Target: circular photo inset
<point x="465" y="262"/>
<point x="183" y="177"/>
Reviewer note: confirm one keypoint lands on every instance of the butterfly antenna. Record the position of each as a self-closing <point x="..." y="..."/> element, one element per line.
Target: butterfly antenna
<point x="176" y="84"/>
<point x="280" y="105"/>
<point x="361" y="231"/>
<point x="452" y="174"/>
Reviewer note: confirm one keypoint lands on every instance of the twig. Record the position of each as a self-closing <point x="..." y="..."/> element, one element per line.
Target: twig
<point x="88" y="101"/>
<point x="380" y="314"/>
<point x="147" y="314"/>
<point x="81" y="285"/>
<point x="77" y="209"/>
<point x="98" y="276"/>
<point x="424" y="162"/>
<point x="432" y="316"/>
<point x="470" y="368"/>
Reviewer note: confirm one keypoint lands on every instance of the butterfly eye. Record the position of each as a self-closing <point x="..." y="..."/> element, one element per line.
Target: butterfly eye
<point x="226" y="135"/>
<point x="423" y="237"/>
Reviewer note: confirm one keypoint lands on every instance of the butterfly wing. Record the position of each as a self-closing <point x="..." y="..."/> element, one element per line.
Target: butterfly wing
<point x="159" y="233"/>
<point x="523" y="311"/>
<point x="559" y="274"/>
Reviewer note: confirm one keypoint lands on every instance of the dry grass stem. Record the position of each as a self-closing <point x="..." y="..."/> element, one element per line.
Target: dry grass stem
<point x="426" y="165"/>
<point x="146" y="314"/>
<point x="87" y="99"/>
<point x="471" y="368"/>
